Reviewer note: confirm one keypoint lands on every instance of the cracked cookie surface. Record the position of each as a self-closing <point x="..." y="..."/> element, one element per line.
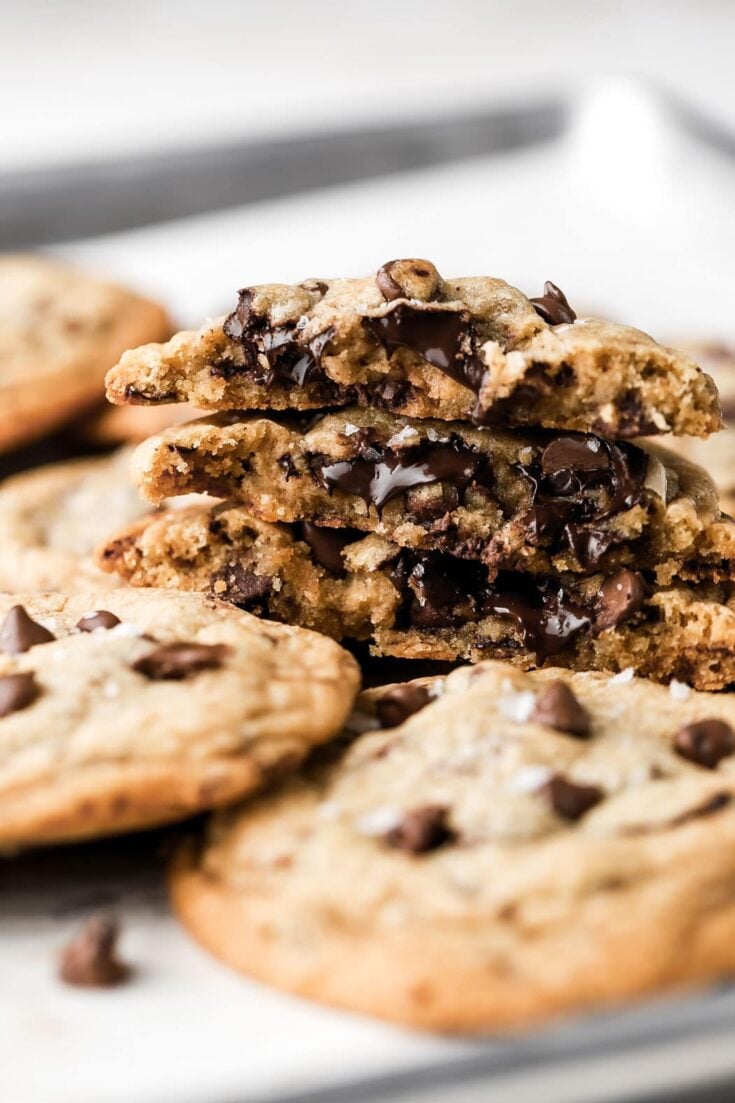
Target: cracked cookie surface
<point x="430" y="605"/>
<point x="130" y="708"/>
<point x="60" y="331"/>
<point x="507" y="848"/>
<point x="416" y="344"/>
<point x="532" y="501"/>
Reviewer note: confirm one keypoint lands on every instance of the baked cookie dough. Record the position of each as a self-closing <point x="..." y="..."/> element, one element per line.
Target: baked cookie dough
<point x="416" y="344"/>
<point x="60" y="331"/>
<point x="509" y="847"/>
<point x="128" y="708"/>
<point x="430" y="605"/>
<point x="529" y="501"/>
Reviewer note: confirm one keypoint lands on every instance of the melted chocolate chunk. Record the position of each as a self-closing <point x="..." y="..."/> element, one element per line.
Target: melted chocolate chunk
<point x="443" y="338"/>
<point x="19" y="632"/>
<point x="421" y="830"/>
<point x="553" y="306"/>
<point x="408" y="279"/>
<point x="400" y="702"/>
<point x="439" y="590"/>
<point x="548" y="618"/>
<point x="288" y="467"/>
<point x="102" y="618"/>
<point x="621" y="596"/>
<point x="328" y="544"/>
<point x="580" y="479"/>
<point x="705" y="742"/>
<point x="178" y="661"/>
<point x="570" y="800"/>
<point x="243" y="587"/>
<point x="290" y="359"/>
<point x="557" y="707"/>
<point x="376" y="474"/>
<point x="17" y="691"/>
<point x="90" y="960"/>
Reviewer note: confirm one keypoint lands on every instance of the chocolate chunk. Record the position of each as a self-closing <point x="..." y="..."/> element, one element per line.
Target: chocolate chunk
<point x="99" y="619"/>
<point x="574" y="453"/>
<point x="243" y="587"/>
<point x="17" y="691"/>
<point x="90" y="960"/>
<point x="328" y="544"/>
<point x="553" y="306"/>
<point x="19" y="632"/>
<point x="569" y="800"/>
<point x="400" y="702"/>
<point x="408" y="279"/>
<point x="287" y="466"/>
<point x="557" y="707"/>
<point x="548" y="618"/>
<point x="620" y="597"/>
<point x="178" y="661"/>
<point x="137" y="397"/>
<point x="705" y="742"/>
<point x="377" y="475"/>
<point x="443" y="589"/>
<point x="588" y="545"/>
<point x="443" y="338"/>
<point x="421" y="830"/>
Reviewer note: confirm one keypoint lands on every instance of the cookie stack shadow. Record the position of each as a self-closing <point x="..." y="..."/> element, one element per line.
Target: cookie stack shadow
<point x="444" y="469"/>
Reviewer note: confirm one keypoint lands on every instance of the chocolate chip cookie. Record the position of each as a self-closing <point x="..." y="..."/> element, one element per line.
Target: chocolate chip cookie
<point x="60" y="331"/>
<point x="413" y="343"/>
<point x="126" y="709"/>
<point x="500" y="848"/>
<point x="430" y="605"/>
<point x="530" y="501"/>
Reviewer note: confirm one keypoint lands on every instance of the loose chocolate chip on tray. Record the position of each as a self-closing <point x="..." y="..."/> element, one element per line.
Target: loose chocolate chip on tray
<point x="399" y="703"/>
<point x="705" y="742"/>
<point x="408" y="279"/>
<point x="101" y="618"/>
<point x="177" y="661"/>
<point x="19" y="632"/>
<point x="90" y="960"/>
<point x="421" y="830"/>
<point x="621" y="595"/>
<point x="569" y="800"/>
<point x="553" y="306"/>
<point x="557" y="707"/>
<point x="17" y="691"/>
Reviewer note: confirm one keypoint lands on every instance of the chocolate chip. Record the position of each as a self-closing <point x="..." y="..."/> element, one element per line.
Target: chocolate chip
<point x="705" y="742"/>
<point x="443" y="338"/>
<point x="400" y="702"/>
<point x="553" y="306"/>
<point x="557" y="707"/>
<point x="620" y="597"/>
<point x="17" y="691"/>
<point x="328" y="544"/>
<point x="547" y="617"/>
<point x="99" y="619"/>
<point x="19" y="632"/>
<point x="569" y="800"/>
<point x="408" y="279"/>
<point x="242" y="587"/>
<point x="90" y="960"/>
<point x="421" y="830"/>
<point x="178" y="661"/>
<point x="287" y="466"/>
<point x="137" y="397"/>
<point x="574" y="453"/>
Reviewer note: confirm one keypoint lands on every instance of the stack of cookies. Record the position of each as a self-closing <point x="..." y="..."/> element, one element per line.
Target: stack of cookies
<point x="444" y="468"/>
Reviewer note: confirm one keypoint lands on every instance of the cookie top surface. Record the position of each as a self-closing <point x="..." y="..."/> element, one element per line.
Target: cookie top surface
<point x="484" y="858"/>
<point x="129" y="708"/>
<point x="60" y="330"/>
<point x="531" y="501"/>
<point x="53" y="517"/>
<point x="416" y="344"/>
